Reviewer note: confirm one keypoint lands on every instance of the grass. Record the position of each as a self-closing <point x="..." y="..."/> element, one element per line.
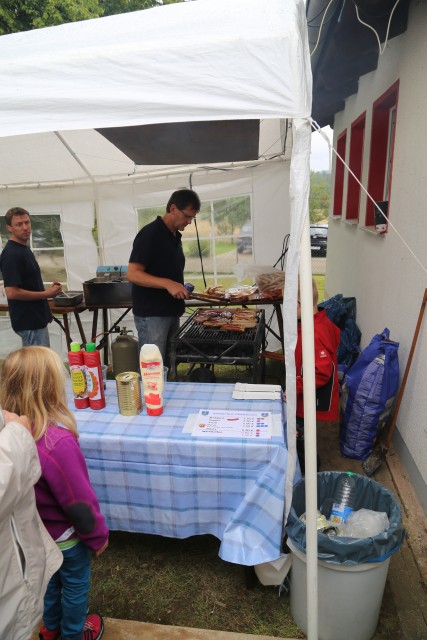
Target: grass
<point x="184" y="583"/>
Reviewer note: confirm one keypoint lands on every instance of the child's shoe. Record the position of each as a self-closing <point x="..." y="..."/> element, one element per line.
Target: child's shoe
<point x="93" y="628"/>
<point x="49" y="634"/>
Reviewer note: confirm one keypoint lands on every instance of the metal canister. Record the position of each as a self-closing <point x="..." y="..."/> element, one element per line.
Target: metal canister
<point x="129" y="393"/>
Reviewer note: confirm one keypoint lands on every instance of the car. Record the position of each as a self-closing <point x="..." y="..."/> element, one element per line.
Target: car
<point x="318" y="240"/>
<point x="244" y="239"/>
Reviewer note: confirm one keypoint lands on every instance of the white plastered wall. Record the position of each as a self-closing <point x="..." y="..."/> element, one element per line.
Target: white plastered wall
<point x="380" y="271"/>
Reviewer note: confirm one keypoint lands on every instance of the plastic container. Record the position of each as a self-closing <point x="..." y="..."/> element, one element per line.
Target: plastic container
<point x="352" y="572"/>
<point x="78" y="376"/>
<point x="349" y="597"/>
<point x="343" y="499"/>
<point x="152" y="378"/>
<point x="95" y="383"/>
<point x="124" y="351"/>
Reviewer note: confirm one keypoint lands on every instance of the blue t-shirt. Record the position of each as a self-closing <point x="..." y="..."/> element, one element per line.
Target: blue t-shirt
<point x="160" y="251"/>
<point x="20" y="269"/>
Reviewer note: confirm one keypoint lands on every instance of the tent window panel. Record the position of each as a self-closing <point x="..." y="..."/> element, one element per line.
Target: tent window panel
<point x="148" y="215"/>
<point x="224" y="228"/>
<point x="47" y="244"/>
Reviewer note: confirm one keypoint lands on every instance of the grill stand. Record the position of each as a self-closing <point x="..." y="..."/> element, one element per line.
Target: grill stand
<point x="194" y="344"/>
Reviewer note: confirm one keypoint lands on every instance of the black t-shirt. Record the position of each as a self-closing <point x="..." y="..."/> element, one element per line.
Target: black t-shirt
<point x="20" y="269"/>
<point x="160" y="251"/>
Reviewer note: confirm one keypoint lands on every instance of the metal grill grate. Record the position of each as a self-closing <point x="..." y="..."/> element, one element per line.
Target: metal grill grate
<point x="195" y="343"/>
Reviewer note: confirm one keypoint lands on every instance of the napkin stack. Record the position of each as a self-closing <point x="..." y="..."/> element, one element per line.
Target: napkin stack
<point x="244" y="391"/>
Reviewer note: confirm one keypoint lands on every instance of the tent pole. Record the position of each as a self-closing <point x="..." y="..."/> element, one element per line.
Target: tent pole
<point x="307" y="330"/>
<point x="74" y="155"/>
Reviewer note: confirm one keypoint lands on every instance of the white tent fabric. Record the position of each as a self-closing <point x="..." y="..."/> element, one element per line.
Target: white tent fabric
<point x="206" y="60"/>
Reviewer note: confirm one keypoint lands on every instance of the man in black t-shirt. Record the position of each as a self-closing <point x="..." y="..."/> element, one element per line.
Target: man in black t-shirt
<point x="27" y="298"/>
<point x="156" y="269"/>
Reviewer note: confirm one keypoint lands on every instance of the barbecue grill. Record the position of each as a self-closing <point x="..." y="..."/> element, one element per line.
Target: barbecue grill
<point x="196" y="344"/>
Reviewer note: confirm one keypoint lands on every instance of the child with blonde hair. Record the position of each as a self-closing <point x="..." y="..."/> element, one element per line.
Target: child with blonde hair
<point x="33" y="384"/>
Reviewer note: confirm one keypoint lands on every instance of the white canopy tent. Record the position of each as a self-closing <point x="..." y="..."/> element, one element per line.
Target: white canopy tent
<point x="230" y="62"/>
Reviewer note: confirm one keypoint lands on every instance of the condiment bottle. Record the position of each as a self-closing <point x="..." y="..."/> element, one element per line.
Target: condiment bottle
<point x="78" y="376"/>
<point x="151" y="363"/>
<point x="95" y="383"/>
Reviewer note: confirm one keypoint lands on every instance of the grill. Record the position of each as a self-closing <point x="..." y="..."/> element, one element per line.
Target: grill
<point x="197" y="344"/>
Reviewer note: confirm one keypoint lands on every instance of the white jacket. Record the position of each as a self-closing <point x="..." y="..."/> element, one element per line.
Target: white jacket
<point x="28" y="555"/>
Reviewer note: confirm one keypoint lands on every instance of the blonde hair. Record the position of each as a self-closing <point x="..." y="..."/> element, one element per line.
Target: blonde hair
<point x="32" y="383"/>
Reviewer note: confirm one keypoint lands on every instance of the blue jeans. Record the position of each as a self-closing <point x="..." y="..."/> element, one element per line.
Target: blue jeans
<point x="67" y="594"/>
<point x="34" y="337"/>
<point x="157" y="330"/>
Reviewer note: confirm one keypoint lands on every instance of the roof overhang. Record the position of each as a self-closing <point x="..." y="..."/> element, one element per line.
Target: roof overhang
<point x="347" y="49"/>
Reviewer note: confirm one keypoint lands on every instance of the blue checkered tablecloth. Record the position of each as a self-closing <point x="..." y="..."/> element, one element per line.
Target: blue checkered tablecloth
<point x="150" y="477"/>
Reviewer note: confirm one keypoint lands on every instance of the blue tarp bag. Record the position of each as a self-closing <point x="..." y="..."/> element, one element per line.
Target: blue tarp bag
<point x="367" y="395"/>
<point x="349" y="348"/>
<point x="342" y="312"/>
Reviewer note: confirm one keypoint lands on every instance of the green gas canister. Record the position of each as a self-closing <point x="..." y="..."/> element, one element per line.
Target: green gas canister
<point x="124" y="351"/>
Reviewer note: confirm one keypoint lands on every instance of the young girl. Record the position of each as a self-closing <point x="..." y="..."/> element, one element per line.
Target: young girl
<point x="33" y="384"/>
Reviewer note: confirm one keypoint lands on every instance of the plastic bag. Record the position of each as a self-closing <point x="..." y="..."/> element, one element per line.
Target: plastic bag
<point x="369" y="388"/>
<point x="364" y="523"/>
<point x="349" y="551"/>
<point x="349" y="349"/>
<point x="266" y="278"/>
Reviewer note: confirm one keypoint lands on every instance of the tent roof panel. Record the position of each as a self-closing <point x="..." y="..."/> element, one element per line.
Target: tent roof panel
<point x="193" y="61"/>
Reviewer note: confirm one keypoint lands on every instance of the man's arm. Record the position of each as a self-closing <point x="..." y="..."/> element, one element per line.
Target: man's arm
<point x="138" y="275"/>
<point x="16" y="293"/>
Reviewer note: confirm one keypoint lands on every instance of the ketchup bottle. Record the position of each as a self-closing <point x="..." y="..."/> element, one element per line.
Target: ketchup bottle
<point x="95" y="384"/>
<point x="78" y="376"/>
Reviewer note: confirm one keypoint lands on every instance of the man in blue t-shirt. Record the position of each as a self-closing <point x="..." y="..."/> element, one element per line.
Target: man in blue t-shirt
<point x="27" y="298"/>
<point x="156" y="270"/>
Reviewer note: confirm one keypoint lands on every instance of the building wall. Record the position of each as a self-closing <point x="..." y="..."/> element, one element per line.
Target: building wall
<point x="384" y="272"/>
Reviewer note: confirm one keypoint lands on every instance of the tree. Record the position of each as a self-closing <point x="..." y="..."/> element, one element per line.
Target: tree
<point x="112" y="7"/>
<point x="320" y="185"/>
<point x="33" y="14"/>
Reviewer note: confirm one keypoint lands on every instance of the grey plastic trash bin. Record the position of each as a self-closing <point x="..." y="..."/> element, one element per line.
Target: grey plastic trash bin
<point x="352" y="572"/>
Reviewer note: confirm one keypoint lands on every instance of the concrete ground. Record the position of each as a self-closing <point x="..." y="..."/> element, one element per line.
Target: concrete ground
<point x="407" y="576"/>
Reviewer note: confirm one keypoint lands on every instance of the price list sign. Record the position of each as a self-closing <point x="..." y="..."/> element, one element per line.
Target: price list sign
<point x="232" y="424"/>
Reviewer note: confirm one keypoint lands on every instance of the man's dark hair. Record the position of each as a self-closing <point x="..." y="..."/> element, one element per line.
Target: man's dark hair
<point x="184" y="198"/>
<point x="14" y="211"/>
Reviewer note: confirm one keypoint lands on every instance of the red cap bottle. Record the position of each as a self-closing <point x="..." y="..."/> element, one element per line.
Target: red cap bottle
<point x="78" y="376"/>
<point x="95" y="384"/>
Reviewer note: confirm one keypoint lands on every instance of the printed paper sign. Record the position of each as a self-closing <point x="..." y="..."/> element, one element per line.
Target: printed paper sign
<point x="232" y="424"/>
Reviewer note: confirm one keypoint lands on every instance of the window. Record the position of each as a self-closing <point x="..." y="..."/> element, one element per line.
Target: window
<point x="355" y="164"/>
<point x="47" y="245"/>
<point x="225" y="235"/>
<point x="381" y="152"/>
<point x="339" y="175"/>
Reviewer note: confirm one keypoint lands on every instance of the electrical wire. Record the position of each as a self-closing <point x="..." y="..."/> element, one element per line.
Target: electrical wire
<point x="317" y="128"/>
<point x="316" y="16"/>
<point x="321" y="26"/>
<point x="380" y="48"/>
<point x="282" y="257"/>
